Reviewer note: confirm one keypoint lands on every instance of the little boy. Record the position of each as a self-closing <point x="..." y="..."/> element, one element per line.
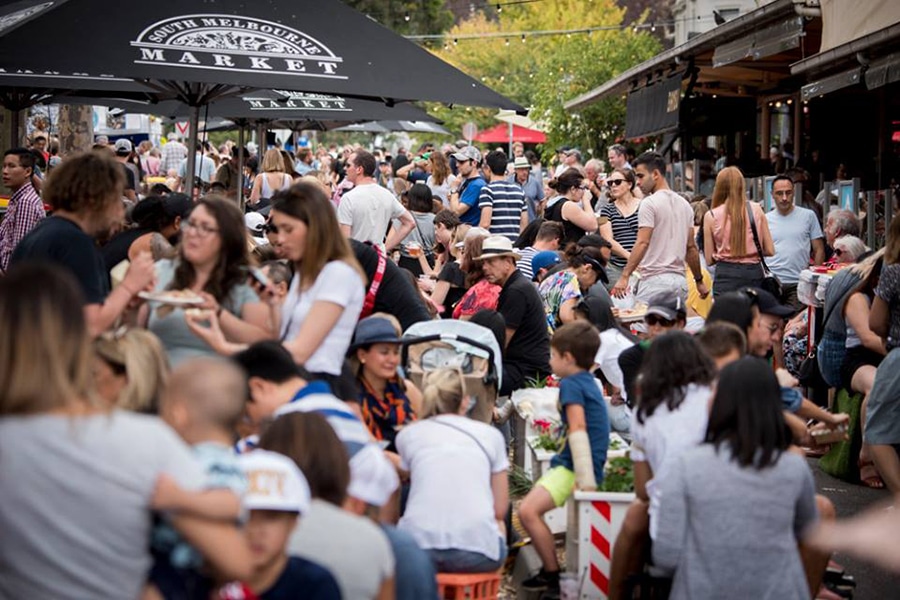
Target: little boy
<point x="277" y="493"/>
<point x="203" y="401"/>
<point x="580" y="462"/>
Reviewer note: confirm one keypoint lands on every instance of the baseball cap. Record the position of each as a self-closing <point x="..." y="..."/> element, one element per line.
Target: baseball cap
<point x="123" y="147"/>
<point x="177" y="205"/>
<point x="255" y="223"/>
<point x="543" y="260"/>
<point x="274" y="482"/>
<point x="666" y="305"/>
<point x="769" y="304"/>
<point x="373" y="479"/>
<point x="468" y="153"/>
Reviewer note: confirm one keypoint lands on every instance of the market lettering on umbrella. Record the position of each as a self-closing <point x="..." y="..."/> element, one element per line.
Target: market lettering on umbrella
<point x="310" y="101"/>
<point x="244" y="44"/>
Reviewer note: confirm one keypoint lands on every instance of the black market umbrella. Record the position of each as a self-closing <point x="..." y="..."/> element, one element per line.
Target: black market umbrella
<point x="200" y="50"/>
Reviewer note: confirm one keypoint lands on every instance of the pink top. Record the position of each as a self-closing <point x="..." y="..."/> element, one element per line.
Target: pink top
<point x="721" y="230"/>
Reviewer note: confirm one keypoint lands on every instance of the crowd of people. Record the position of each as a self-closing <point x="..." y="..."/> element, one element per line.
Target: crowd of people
<point x="207" y="393"/>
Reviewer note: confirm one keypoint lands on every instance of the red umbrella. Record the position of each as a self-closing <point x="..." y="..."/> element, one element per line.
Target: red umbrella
<point x="501" y="133"/>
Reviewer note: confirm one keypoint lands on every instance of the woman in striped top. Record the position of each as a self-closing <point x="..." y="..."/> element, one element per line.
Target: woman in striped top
<point x="621" y="226"/>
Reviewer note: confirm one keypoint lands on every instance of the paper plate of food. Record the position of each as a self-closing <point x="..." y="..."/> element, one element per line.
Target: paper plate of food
<point x="173" y="297"/>
<point x="629" y="315"/>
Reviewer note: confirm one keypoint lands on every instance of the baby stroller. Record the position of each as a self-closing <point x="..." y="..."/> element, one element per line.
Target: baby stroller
<point x="454" y="344"/>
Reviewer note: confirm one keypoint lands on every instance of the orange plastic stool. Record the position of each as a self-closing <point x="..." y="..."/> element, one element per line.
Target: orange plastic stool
<point x="468" y="586"/>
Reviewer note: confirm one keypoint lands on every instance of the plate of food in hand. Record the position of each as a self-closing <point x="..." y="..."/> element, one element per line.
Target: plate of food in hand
<point x="630" y="315"/>
<point x="173" y="297"/>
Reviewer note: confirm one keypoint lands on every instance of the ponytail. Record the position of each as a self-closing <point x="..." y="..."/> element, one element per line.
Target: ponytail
<point x="443" y="392"/>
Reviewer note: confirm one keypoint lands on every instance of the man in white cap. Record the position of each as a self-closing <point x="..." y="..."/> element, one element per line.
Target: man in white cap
<point x="531" y="186"/>
<point x="464" y="198"/>
<point x="277" y="495"/>
<point x="123" y="149"/>
<point x="527" y="353"/>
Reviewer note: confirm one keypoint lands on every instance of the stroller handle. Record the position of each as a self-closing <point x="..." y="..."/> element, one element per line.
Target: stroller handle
<point x="447" y="337"/>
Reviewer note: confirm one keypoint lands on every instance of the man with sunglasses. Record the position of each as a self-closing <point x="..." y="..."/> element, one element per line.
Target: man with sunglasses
<point x="665" y="313"/>
<point x="464" y="199"/>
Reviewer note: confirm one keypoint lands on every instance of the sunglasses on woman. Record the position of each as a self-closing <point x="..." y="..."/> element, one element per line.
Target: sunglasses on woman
<point x="653" y="320"/>
<point x="616" y="181"/>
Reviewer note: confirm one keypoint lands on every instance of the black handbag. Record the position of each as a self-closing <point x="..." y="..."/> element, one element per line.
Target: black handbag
<point x="769" y="283"/>
<point x="808" y="373"/>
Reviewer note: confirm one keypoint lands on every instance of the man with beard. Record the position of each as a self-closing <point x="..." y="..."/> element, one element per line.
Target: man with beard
<point x="85" y="195"/>
<point x="464" y="199"/>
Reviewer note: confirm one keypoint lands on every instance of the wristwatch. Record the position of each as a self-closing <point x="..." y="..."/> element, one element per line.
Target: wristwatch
<point x="698" y="279"/>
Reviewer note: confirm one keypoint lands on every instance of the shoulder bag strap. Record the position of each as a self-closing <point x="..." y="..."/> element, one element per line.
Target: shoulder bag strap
<point x="461" y="430"/>
<point x="759" y="251"/>
<point x="369" y="303"/>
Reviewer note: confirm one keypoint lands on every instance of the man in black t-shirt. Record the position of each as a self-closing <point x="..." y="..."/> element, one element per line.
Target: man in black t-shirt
<point x="527" y="353"/>
<point x="123" y="153"/>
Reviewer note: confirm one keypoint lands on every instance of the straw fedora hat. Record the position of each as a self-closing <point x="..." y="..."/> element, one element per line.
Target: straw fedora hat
<point x="497" y="245"/>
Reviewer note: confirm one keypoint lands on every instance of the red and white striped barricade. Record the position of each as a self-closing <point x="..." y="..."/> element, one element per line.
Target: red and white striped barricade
<point x="595" y="519"/>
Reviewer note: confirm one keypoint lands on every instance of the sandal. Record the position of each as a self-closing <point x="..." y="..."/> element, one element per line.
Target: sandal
<point x="868" y="475"/>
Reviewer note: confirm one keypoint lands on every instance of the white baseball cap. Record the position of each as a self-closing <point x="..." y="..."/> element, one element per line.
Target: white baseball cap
<point x="274" y="483"/>
<point x="373" y="479"/>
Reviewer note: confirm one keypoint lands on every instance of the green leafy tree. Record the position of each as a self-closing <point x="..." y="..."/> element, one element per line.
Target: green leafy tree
<point x="545" y="71"/>
<point x="407" y="17"/>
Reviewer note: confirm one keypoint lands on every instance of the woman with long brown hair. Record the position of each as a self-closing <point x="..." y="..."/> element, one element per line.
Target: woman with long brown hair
<point x="441" y="178"/>
<point x="212" y="262"/>
<point x="326" y="295"/>
<point x="728" y="238"/>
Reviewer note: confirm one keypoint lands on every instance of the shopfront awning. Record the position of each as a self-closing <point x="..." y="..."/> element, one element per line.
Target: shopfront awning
<point x="654" y="109"/>
<point x="747" y="56"/>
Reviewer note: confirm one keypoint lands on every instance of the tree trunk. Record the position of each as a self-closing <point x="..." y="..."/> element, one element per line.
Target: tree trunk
<point x="76" y="128"/>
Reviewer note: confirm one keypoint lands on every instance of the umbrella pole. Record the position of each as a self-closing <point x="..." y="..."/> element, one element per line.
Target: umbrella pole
<point x="240" y="168"/>
<point x="510" y="139"/>
<point x="191" y="166"/>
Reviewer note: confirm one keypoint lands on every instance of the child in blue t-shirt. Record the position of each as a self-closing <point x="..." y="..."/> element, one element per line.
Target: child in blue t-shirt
<point x="580" y="462"/>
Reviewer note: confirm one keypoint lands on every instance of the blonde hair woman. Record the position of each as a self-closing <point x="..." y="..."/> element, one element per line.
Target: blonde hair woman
<point x="728" y="240"/>
<point x="459" y="491"/>
<point x="272" y="178"/>
<point x="130" y="369"/>
<point x="81" y="467"/>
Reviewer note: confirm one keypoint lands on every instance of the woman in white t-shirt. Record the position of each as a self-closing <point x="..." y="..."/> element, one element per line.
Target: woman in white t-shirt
<point x="669" y="418"/>
<point x="459" y="491"/>
<point x="272" y="178"/>
<point x="327" y="291"/>
<point x="80" y="479"/>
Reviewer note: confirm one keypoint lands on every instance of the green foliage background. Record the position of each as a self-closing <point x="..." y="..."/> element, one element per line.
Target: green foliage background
<point x="544" y="72"/>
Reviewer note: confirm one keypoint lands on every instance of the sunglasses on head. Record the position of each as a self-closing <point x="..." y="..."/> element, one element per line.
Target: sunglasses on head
<point x="653" y="320"/>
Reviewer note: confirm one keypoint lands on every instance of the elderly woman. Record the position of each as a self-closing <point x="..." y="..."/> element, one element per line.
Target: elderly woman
<point x="848" y="249"/>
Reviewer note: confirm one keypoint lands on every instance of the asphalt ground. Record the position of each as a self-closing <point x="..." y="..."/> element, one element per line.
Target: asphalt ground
<point x="850" y="499"/>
